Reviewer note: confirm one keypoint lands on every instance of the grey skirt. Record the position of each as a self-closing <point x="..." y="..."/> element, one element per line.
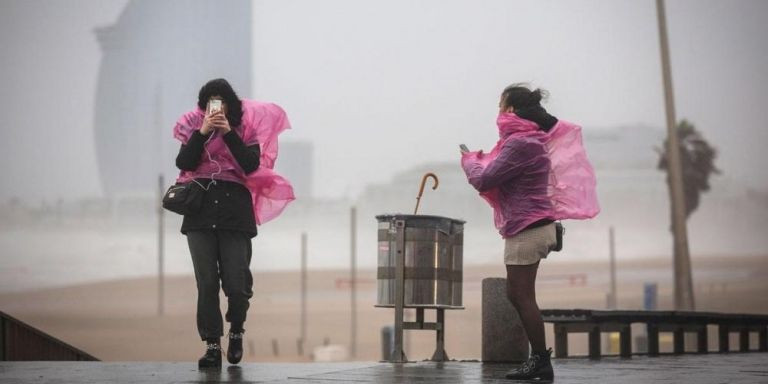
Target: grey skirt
<point x="530" y="245"/>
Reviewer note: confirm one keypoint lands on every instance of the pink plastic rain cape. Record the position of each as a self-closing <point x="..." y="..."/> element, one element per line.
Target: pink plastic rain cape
<point x="570" y="192"/>
<point x="262" y="123"/>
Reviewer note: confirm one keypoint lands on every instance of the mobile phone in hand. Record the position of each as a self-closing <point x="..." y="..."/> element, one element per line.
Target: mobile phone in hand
<point x="214" y="106"/>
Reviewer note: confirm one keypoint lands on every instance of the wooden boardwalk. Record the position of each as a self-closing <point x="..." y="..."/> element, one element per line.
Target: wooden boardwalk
<point x="701" y="369"/>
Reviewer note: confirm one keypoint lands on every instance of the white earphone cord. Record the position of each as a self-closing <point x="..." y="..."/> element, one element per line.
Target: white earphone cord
<point x="210" y="158"/>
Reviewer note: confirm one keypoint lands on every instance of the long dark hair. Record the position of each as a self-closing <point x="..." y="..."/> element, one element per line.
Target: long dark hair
<point x="527" y="105"/>
<point x="221" y="87"/>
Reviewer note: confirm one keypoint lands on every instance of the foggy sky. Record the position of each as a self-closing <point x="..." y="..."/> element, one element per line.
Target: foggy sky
<point x="381" y="86"/>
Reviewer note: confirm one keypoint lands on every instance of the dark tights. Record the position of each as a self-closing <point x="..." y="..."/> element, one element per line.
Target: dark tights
<point x="521" y="292"/>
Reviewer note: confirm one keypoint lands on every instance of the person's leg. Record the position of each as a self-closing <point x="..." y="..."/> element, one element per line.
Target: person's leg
<point x="236" y="278"/>
<point x="521" y="282"/>
<point x="521" y="291"/>
<point x="237" y="282"/>
<point x="522" y="255"/>
<point x="204" y="248"/>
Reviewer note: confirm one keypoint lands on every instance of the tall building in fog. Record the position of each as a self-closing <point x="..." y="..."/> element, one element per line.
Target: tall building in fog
<point x="295" y="161"/>
<point x="155" y="58"/>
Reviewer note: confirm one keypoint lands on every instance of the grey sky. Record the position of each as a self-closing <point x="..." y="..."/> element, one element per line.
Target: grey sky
<point x="382" y="85"/>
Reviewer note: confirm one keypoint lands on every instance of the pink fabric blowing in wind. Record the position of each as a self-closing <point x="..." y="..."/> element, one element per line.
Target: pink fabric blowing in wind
<point x="532" y="175"/>
<point x="261" y="123"/>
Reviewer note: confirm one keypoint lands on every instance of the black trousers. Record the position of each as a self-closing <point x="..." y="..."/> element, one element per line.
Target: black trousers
<point x="220" y="255"/>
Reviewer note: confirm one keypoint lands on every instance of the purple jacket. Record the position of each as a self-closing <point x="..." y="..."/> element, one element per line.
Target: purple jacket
<point x="532" y="175"/>
<point x="518" y="178"/>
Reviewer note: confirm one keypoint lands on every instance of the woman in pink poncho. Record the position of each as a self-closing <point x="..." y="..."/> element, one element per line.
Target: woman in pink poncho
<point x="229" y="151"/>
<point x="537" y="173"/>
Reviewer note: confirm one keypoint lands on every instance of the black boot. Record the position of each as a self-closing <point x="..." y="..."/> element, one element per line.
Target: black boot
<point x="212" y="357"/>
<point x="235" y="348"/>
<point x="538" y="367"/>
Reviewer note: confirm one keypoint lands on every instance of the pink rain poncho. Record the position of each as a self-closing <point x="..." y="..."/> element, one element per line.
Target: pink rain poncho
<point x="261" y="123"/>
<point x="532" y="175"/>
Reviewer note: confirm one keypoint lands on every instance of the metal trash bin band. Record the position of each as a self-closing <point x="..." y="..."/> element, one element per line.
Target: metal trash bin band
<point x="433" y="268"/>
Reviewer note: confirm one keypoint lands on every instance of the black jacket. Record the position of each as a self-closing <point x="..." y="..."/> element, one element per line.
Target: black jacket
<point x="227" y="205"/>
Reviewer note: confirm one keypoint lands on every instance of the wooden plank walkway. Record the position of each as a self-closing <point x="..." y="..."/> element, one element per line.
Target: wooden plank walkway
<point x="744" y="368"/>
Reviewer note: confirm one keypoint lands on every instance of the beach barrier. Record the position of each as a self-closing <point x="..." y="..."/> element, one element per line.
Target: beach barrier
<point x="22" y="342"/>
<point x="594" y="322"/>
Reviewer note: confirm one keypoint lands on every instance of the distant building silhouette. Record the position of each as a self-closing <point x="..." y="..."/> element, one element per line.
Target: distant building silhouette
<point x="623" y="148"/>
<point x="454" y="197"/>
<point x="625" y="162"/>
<point x="155" y="59"/>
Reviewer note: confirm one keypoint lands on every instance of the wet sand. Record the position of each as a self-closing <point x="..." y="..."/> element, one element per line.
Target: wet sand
<point x="118" y="320"/>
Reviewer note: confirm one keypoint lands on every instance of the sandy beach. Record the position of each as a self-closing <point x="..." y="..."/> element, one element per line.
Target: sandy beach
<point x="118" y="320"/>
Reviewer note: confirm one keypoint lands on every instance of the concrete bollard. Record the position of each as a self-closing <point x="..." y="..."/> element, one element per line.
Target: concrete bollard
<point x="387" y="342"/>
<point x="504" y="338"/>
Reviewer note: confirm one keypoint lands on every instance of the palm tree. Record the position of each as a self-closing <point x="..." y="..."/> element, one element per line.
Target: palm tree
<point x="698" y="162"/>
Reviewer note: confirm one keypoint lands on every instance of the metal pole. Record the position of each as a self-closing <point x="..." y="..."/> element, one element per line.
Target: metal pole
<point x="158" y="123"/>
<point x="682" y="263"/>
<point x="613" y="299"/>
<point x="440" y="354"/>
<point x="353" y="281"/>
<point x="160" y="246"/>
<point x="303" y="331"/>
<point x="398" y="355"/>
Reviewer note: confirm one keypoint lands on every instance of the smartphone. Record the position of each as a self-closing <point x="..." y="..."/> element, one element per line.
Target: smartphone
<point x="463" y="148"/>
<point x="214" y="105"/>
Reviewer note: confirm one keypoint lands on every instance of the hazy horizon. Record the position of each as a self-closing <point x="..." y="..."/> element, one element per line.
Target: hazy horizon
<point x="364" y="81"/>
<point x="379" y="90"/>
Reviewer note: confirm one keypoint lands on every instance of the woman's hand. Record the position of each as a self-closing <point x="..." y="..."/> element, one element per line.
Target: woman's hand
<point x="208" y="125"/>
<point x="220" y="122"/>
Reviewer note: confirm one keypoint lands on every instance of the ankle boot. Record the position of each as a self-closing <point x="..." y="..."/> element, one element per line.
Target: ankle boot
<point x="235" y="347"/>
<point x="538" y="367"/>
<point x="212" y="357"/>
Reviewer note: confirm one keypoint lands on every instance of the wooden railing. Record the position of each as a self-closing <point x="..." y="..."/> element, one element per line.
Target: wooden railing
<point x="22" y="342"/>
<point x="595" y="322"/>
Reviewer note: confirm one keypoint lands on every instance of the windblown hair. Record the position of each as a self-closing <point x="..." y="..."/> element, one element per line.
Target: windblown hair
<point x="221" y="87"/>
<point x="527" y="104"/>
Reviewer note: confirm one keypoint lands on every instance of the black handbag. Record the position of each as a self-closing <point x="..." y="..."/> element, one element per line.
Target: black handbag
<point x="184" y="198"/>
<point x="559" y="232"/>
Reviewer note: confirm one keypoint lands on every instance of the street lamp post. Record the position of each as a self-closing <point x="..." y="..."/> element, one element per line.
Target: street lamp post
<point x="682" y="261"/>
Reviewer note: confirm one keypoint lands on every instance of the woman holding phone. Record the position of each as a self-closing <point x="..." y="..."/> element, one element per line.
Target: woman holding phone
<point x="536" y="174"/>
<point x="228" y="148"/>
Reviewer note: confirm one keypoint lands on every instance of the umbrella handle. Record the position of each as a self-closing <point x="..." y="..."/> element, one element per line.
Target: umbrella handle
<point x="421" y="189"/>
